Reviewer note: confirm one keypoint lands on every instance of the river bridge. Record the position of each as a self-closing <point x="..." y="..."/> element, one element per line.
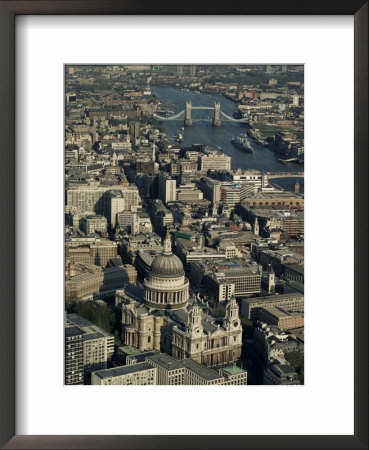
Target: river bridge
<point x="186" y="115"/>
<point x="272" y="175"/>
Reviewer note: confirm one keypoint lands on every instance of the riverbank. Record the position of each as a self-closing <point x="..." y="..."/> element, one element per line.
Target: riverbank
<point x="202" y="131"/>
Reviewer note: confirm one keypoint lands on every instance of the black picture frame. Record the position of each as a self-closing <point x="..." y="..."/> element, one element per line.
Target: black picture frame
<point x="8" y="12"/>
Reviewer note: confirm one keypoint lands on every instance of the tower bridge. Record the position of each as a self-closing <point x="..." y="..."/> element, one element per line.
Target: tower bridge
<point x="186" y="115"/>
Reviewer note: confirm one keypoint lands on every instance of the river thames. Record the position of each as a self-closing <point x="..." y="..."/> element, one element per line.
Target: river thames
<point x="202" y="132"/>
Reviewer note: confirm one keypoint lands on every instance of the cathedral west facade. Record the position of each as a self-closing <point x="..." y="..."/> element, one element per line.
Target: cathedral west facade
<point x="163" y="316"/>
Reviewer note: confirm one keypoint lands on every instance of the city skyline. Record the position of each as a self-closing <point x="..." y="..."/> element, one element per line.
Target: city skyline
<point x="184" y="223"/>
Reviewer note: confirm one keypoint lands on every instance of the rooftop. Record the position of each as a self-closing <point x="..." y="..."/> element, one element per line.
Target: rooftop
<point x="233" y="370"/>
<point x="199" y="369"/>
<point x="123" y="370"/>
<point x="129" y="350"/>
<point x="73" y="331"/>
<point x="165" y="361"/>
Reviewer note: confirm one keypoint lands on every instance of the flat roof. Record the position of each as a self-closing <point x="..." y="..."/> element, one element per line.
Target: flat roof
<point x="233" y="370"/>
<point x="273" y="298"/>
<point x="199" y="369"/>
<point x="73" y="331"/>
<point x="165" y="361"/>
<point x="129" y="350"/>
<point x="92" y="336"/>
<point x="141" y="357"/>
<point x="123" y="370"/>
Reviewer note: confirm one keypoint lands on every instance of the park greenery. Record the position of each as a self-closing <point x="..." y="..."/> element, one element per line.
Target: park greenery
<point x="99" y="314"/>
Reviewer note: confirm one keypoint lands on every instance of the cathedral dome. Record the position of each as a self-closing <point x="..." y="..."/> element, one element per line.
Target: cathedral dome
<point x="167" y="265"/>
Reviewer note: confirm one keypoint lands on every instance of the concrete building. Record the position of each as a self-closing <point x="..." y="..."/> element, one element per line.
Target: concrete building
<point x="283" y="319"/>
<point x="211" y="189"/>
<point x="252" y="177"/>
<point x="166" y="188"/>
<point x="162" y="369"/>
<point x="73" y="355"/>
<point x="131" y="197"/>
<point x="250" y="307"/>
<point x="98" y="253"/>
<point x="95" y="285"/>
<point x="91" y="224"/>
<point x="280" y="374"/>
<point x="128" y="220"/>
<point x="214" y="161"/>
<point x="189" y="251"/>
<point x="274" y="199"/>
<point x="136" y="374"/>
<point x="218" y="286"/>
<point x="189" y="193"/>
<point x="134" y="129"/>
<point x="233" y="375"/>
<point x="98" y="345"/>
<point x="246" y="279"/>
<point x="90" y="198"/>
<point x="232" y="193"/>
<point x="272" y="343"/>
<point x="117" y="205"/>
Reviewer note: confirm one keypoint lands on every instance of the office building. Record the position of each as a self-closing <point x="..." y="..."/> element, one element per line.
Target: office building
<point x="73" y="355"/>
<point x="214" y="161"/>
<point x="250" y="307"/>
<point x="95" y="223"/>
<point x="136" y="374"/>
<point x="98" y="345"/>
<point x="166" y="188"/>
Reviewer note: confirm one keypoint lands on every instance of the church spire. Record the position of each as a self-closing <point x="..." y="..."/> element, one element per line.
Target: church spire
<point x="153" y="157"/>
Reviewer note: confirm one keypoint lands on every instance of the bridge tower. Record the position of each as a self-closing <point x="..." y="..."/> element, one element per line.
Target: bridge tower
<point x="297" y="187"/>
<point x="216" y="121"/>
<point x="188" y="120"/>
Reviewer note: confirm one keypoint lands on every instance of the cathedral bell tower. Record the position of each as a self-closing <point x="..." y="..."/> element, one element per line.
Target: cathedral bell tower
<point x="232" y="319"/>
<point x="194" y="321"/>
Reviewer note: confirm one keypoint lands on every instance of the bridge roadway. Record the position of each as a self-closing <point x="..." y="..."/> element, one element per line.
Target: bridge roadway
<point x="284" y="175"/>
<point x="180" y="115"/>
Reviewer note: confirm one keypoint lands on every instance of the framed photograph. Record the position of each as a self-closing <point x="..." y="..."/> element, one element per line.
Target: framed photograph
<point x="162" y="224"/>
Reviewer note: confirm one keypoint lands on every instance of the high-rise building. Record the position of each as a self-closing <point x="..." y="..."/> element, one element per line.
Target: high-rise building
<point x="98" y="345"/>
<point x="134" y="129"/>
<point x="90" y="198"/>
<point x="131" y="197"/>
<point x="73" y="355"/>
<point x="166" y="188"/>
<point x="117" y="204"/>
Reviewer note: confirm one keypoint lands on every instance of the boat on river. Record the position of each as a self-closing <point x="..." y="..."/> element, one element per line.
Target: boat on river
<point x="242" y="143"/>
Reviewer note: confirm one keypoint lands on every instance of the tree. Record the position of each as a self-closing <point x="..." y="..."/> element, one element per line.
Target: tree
<point x="219" y="313"/>
<point x="296" y="361"/>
